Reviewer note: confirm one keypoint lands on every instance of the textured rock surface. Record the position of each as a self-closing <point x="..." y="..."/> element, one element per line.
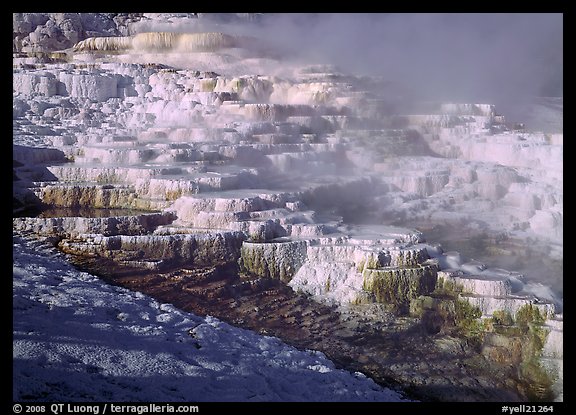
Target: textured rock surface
<point x="296" y="175"/>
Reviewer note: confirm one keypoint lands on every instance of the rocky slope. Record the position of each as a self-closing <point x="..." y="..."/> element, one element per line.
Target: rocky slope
<point x="179" y="153"/>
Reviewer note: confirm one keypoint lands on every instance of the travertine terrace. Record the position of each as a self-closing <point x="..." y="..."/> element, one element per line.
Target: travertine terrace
<point x="165" y="150"/>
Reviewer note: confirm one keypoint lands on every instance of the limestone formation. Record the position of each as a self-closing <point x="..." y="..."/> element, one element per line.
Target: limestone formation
<point x="302" y="178"/>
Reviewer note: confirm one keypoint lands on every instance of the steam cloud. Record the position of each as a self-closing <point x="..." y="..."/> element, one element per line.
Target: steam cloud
<point x="471" y="57"/>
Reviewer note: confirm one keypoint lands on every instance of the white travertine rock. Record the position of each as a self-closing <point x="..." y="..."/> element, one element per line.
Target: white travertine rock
<point x="517" y="155"/>
<point x="309" y="230"/>
<point x="258" y="230"/>
<point x="102" y="174"/>
<point x="548" y="223"/>
<point x="150" y="41"/>
<point x="488" y="305"/>
<point x="278" y="260"/>
<point x="200" y="249"/>
<point x="332" y="282"/>
<point x="421" y="183"/>
<point x="482" y="285"/>
<point x="35" y="83"/>
<point x="201" y="135"/>
<point x="37" y="155"/>
<point x="43" y="32"/>
<point x="183" y="41"/>
<point x="165" y="188"/>
<point x="96" y="196"/>
<point x="104" y="43"/>
<point x="334" y="253"/>
<point x="95" y="86"/>
<point x="108" y="226"/>
<point x="486" y="110"/>
<point x="553" y="347"/>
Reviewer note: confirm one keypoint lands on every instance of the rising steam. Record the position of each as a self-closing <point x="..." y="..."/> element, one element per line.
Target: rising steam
<point x="471" y="57"/>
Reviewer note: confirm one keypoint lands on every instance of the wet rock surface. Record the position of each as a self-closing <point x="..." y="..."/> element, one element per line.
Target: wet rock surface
<point x="285" y="199"/>
<point x="395" y="351"/>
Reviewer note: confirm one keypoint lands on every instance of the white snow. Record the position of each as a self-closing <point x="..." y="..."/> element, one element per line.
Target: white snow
<point x="200" y="145"/>
<point x="78" y="339"/>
